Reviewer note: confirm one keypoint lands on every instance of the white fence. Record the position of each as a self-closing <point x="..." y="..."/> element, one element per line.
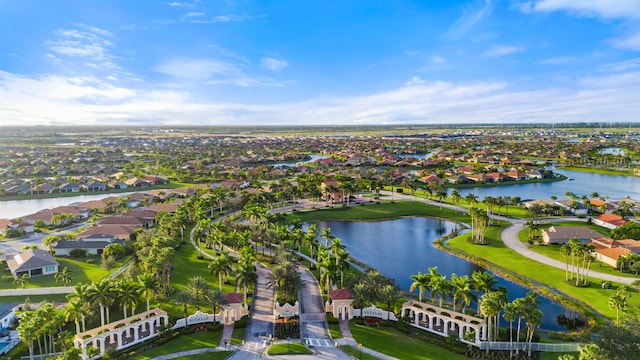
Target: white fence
<point x="373" y="311"/>
<point x="522" y="346"/>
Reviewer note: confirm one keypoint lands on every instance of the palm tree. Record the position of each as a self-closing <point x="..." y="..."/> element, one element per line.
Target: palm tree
<point x="440" y="286"/>
<point x="102" y="293"/>
<point x="342" y="261"/>
<point x="215" y="298"/>
<point x="246" y="276"/>
<point x="197" y="288"/>
<point x="420" y="281"/>
<point x="221" y="267"/>
<point x="149" y="285"/>
<point x="184" y="298"/>
<point x="65" y="275"/>
<point x="389" y="294"/>
<point x="21" y="280"/>
<point x="455" y="196"/>
<point x="326" y="234"/>
<point x="77" y="310"/>
<point x="462" y="289"/>
<point x="27" y="330"/>
<point x="489" y="308"/>
<point x="510" y="314"/>
<point x="471" y="199"/>
<point x="128" y="292"/>
<point x="336" y="245"/>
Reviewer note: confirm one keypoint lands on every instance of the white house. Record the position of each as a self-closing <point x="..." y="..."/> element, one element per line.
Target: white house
<point x="33" y="262"/>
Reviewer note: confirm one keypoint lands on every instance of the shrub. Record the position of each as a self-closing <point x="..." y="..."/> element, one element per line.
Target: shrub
<point x="78" y="253"/>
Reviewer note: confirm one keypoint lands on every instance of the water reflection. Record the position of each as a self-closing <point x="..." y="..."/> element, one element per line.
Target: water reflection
<point x="402" y="247"/>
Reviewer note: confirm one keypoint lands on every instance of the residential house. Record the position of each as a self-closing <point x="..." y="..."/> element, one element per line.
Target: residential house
<point x="608" y="250"/>
<point x="610" y="221"/>
<point x="7" y="315"/>
<point x="33" y="262"/>
<point x="331" y="191"/>
<point x="115" y="184"/>
<point x="69" y="187"/>
<point x="562" y="234"/>
<point x="95" y="186"/>
<point x="155" y="180"/>
<point x="573" y="207"/>
<point x="123" y="232"/>
<point x="92" y="244"/>
<point x="136" y="182"/>
<point x="122" y="220"/>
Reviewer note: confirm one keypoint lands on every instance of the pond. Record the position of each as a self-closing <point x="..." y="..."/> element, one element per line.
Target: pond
<point x="402" y="247"/>
<point x="11" y="209"/>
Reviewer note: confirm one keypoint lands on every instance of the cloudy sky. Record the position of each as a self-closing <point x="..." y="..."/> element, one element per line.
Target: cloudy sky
<point x="283" y="62"/>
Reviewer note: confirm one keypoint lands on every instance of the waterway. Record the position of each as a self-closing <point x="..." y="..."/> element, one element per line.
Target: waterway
<point x="16" y="208"/>
<point x="402" y="247"/>
<point x="583" y="183"/>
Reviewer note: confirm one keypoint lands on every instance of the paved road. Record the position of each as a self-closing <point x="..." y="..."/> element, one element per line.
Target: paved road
<point x="12" y="247"/>
<point x="510" y="238"/>
<point x="262" y="318"/>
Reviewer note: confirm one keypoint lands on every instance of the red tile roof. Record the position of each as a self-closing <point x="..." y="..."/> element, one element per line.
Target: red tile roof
<point x="341" y="294"/>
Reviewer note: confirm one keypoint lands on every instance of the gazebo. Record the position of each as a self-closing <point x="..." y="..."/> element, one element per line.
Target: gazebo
<point x="341" y="303"/>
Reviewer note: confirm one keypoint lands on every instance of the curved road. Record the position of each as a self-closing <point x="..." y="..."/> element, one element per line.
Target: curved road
<point x="510" y="237"/>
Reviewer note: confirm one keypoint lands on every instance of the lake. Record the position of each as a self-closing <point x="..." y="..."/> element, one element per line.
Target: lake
<point x="17" y="208"/>
<point x="583" y="183"/>
<point x="402" y="247"/>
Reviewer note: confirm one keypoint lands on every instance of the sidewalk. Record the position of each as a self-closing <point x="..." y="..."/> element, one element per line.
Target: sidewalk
<point x="348" y="340"/>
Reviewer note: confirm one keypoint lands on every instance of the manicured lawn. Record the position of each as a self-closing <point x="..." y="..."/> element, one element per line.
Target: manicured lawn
<point x="218" y="355"/>
<point x="237" y="336"/>
<point x="356" y="353"/>
<point x="394" y="343"/>
<point x="383" y="210"/>
<point x="553" y="251"/>
<point x="499" y="254"/>
<point x="334" y="331"/>
<point x="294" y="348"/>
<point x="83" y="272"/>
<point x="556" y="356"/>
<point x="184" y="342"/>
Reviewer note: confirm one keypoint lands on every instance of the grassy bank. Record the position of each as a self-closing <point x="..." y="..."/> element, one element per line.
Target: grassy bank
<point x="392" y="342"/>
<point x="597" y="171"/>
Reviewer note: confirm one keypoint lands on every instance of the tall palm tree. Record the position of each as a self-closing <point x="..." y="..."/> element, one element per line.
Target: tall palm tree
<point x="128" y="292"/>
<point x="215" y="298"/>
<point x="421" y="282"/>
<point x="246" y="277"/>
<point x="78" y="311"/>
<point x="342" y="261"/>
<point x="462" y="289"/>
<point x="439" y="285"/>
<point x="197" y="287"/>
<point x="336" y="245"/>
<point x="489" y="308"/>
<point x="184" y="298"/>
<point x="221" y="267"/>
<point x="149" y="284"/>
<point x="326" y="234"/>
<point x="455" y="196"/>
<point x="389" y="294"/>
<point x="102" y="292"/>
<point x="471" y="199"/>
<point x="510" y="314"/>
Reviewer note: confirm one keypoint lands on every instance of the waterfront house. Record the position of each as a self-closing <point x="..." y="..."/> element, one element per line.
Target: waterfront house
<point x="33" y="262"/>
<point x="69" y="187"/>
<point x="610" y="221"/>
<point x="562" y="234"/>
<point x="92" y="244"/>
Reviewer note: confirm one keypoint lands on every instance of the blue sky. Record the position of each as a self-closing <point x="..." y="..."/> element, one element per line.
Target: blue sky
<point x="299" y="62"/>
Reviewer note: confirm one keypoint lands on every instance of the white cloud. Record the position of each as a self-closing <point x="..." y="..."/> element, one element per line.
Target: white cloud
<point x="609" y="9"/>
<point x="416" y="80"/>
<point x="437" y="59"/>
<point x="273" y="64"/>
<point x="631" y="42"/>
<point x="502" y="50"/>
<point x="470" y="16"/>
<point x="557" y="60"/>
<point x="612" y="96"/>
<point x="227" y="71"/>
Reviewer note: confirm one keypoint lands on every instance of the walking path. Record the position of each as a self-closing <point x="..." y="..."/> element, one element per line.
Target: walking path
<point x="348" y="340"/>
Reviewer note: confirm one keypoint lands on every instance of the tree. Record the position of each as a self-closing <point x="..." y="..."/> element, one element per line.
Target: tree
<point x="389" y="294"/>
<point x="246" y="276"/>
<point x="489" y="308"/>
<point x="66" y="276"/>
<point x="149" y="285"/>
<point x="215" y="298"/>
<point x="128" y="292"/>
<point x="51" y="242"/>
<point x="183" y="298"/>
<point x="618" y="301"/>
<point x="21" y="280"/>
<point x="462" y="289"/>
<point x="197" y="288"/>
<point x="471" y="199"/>
<point x="439" y="285"/>
<point x="455" y="196"/>
<point x="510" y="314"/>
<point x="565" y="250"/>
<point x="102" y="293"/>
<point x="221" y="267"/>
<point x="421" y="282"/>
<point x="77" y="310"/>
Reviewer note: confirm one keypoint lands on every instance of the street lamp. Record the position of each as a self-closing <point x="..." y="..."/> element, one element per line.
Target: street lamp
<point x="225" y="344"/>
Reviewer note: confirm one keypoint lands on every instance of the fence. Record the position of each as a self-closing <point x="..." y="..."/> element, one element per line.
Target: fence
<point x="523" y="346"/>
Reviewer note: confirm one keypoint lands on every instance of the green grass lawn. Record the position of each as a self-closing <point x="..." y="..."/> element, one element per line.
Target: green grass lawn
<point x="383" y="210"/>
<point x="356" y="353"/>
<point x="293" y="348"/>
<point x="334" y="331"/>
<point x="237" y="336"/>
<point x="499" y="254"/>
<point x="394" y="343"/>
<point x="219" y="355"/>
<point x="184" y="342"/>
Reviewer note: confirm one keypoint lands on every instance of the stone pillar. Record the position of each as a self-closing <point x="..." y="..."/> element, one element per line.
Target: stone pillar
<point x="477" y="335"/>
<point x="102" y="342"/>
<point x="135" y="334"/>
<point x="431" y="322"/>
<point x="119" y="339"/>
<point x="152" y="328"/>
<point x="461" y="332"/>
<point x="445" y="327"/>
